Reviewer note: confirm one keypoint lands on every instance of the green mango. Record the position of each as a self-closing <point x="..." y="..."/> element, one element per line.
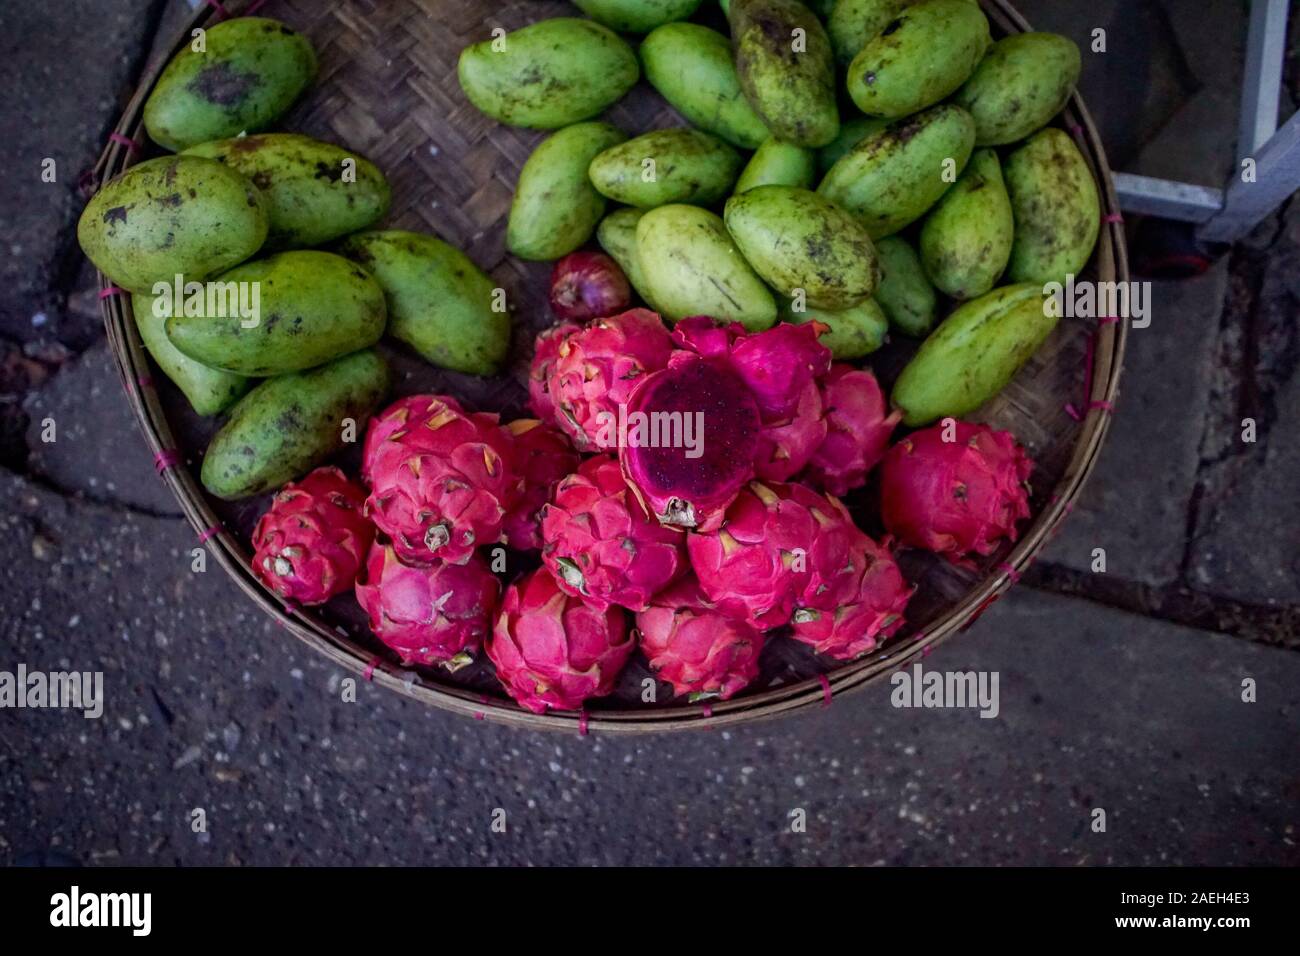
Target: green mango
<point x="795" y="240"/>
<point x="966" y="239"/>
<point x="208" y="390"/>
<point x="853" y="23"/>
<point x="822" y="8"/>
<point x="905" y="292"/>
<point x="177" y="215"/>
<point x="692" y="68"/>
<point x="311" y="307"/>
<point x="973" y="354"/>
<point x="666" y="166"/>
<point x="894" y="175"/>
<point x="778" y="164"/>
<point x="852" y="132"/>
<point x="636" y="16"/>
<point x="793" y="91"/>
<point x="1055" y="207"/>
<point x="289" y="424"/>
<point x="549" y="74"/>
<point x="315" y="192"/>
<point x="691" y="267"/>
<point x="439" y="302"/>
<point x="850" y="333"/>
<point x="247" y="77"/>
<point x="1019" y="86"/>
<point x="555" y="209"/>
<point x="617" y="236"/>
<point x="924" y="54"/>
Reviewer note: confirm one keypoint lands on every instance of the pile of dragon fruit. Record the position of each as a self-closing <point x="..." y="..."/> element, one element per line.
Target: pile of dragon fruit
<point x="689" y="476"/>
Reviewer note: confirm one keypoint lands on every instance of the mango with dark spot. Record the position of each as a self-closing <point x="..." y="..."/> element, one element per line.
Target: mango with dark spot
<point x="1019" y="86"/>
<point x="617" y="236"/>
<point x="692" y="68"/>
<point x="905" y="292"/>
<point x="973" y="354"/>
<point x="555" y="207"/>
<point x="439" y="302"/>
<point x="636" y="16"/>
<point x="315" y="192"/>
<point x="692" y="267"/>
<point x="966" y="239"/>
<point x="786" y="68"/>
<point x="852" y="132"/>
<point x="1055" y="208"/>
<point x="666" y="166"/>
<point x="549" y="74"/>
<point x="921" y="56"/>
<point x="208" y="390"/>
<point x="310" y="307"/>
<point x="892" y="176"/>
<point x="247" y="76"/>
<point x="177" y="215"/>
<point x="796" y="240"/>
<point x="778" y="164"/>
<point x="289" y="424"/>
<point x="850" y="333"/>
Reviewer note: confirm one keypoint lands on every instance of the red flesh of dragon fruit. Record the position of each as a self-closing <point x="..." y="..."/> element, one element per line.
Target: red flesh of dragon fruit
<point x="542" y="457"/>
<point x="430" y="614"/>
<point x="441" y="479"/>
<point x="755" y="567"/>
<point x="310" y="545"/>
<point x="695" y="647"/>
<point x="545" y="349"/>
<point x="762" y="416"/>
<point x="600" y="543"/>
<point x="955" y="497"/>
<point x="689" y="484"/>
<point x="596" y="370"/>
<point x="553" y="650"/>
<point x="859" y="424"/>
<point x="855" y="597"/>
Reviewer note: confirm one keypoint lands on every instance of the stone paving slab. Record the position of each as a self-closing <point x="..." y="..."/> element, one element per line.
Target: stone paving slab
<point x="1135" y="504"/>
<point x="98" y="450"/>
<point x="64" y="67"/>
<point x="211" y="706"/>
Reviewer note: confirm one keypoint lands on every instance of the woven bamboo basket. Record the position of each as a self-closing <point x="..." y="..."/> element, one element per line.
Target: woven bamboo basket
<point x="387" y="88"/>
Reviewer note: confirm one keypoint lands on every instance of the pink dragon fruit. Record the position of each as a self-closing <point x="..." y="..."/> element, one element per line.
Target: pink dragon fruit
<point x="695" y="647"/>
<point x="597" y="368"/>
<point x="542" y="456"/>
<point x="600" y="543"/>
<point x="756" y="565"/>
<point x="858" y="428"/>
<point x="756" y="399"/>
<point x="430" y="614"/>
<point x="854" y="599"/>
<point x="441" y="479"/>
<point x="955" y="497"/>
<point x="553" y="650"/>
<point x="310" y="545"/>
<point x="545" y="349"/>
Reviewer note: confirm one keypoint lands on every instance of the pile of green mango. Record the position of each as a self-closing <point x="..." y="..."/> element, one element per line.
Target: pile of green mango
<point x="258" y="282"/>
<point x="858" y="163"/>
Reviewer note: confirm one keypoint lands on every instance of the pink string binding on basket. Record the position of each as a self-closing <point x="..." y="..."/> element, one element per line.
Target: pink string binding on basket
<point x="167" y="458"/>
<point x="209" y="533"/>
<point x="1089" y="358"/>
<point x="826" y="689"/>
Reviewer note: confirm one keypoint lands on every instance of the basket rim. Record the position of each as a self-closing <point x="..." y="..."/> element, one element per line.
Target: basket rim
<point x="232" y="555"/>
